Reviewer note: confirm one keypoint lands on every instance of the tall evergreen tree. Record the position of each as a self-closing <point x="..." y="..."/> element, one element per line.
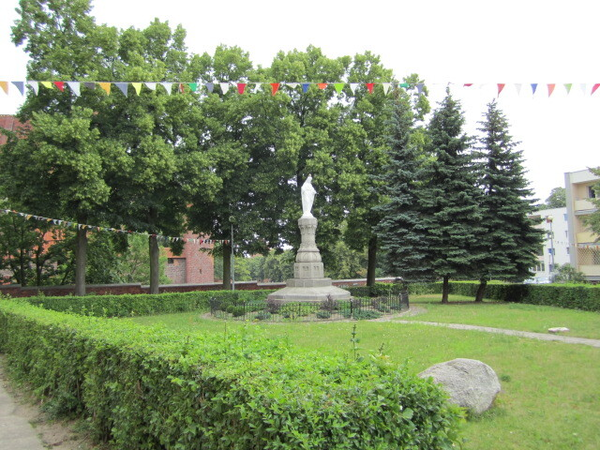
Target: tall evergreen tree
<point x="449" y="198"/>
<point x="403" y="237"/>
<point x="509" y="240"/>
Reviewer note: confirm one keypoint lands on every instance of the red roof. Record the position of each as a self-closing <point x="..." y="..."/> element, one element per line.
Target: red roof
<point x="9" y="123"/>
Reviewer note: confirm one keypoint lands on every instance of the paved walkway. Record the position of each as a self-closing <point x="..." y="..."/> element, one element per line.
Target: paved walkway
<point x="15" y="432"/>
<point x="526" y="334"/>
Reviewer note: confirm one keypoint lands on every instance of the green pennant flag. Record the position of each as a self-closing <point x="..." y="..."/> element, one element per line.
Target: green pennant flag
<point x="338" y="87"/>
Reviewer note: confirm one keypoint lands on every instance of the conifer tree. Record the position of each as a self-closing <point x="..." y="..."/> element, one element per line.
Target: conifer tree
<point x="402" y="236"/>
<point x="509" y="240"/>
<point x="449" y="198"/>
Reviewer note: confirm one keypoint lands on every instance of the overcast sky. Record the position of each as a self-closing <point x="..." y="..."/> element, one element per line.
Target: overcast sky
<point x="457" y="42"/>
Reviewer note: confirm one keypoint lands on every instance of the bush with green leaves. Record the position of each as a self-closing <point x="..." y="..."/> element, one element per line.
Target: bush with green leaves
<point x="152" y="388"/>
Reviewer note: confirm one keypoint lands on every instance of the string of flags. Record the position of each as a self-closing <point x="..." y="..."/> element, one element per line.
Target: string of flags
<point x="80" y="226"/>
<point x="135" y="88"/>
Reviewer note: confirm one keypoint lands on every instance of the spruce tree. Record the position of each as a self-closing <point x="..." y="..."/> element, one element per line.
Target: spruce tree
<point x="449" y="198"/>
<point x="402" y="237"/>
<point x="509" y="241"/>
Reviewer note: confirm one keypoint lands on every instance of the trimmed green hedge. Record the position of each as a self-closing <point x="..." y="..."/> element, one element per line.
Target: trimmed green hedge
<point x="151" y="388"/>
<point x="575" y="296"/>
<point x="141" y="304"/>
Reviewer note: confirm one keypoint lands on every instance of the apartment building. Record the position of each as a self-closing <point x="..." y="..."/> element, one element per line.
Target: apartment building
<point x="585" y="248"/>
<point x="555" y="250"/>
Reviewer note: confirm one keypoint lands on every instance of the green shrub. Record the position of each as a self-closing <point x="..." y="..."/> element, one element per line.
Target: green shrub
<point x="151" y="388"/>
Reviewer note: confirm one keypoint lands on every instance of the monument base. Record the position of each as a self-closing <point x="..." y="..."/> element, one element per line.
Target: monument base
<point x="316" y="290"/>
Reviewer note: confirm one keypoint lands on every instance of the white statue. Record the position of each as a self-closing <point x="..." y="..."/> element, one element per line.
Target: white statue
<point x="308" y="197"/>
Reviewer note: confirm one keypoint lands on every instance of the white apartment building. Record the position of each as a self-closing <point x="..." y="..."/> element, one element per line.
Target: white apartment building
<point x="555" y="249"/>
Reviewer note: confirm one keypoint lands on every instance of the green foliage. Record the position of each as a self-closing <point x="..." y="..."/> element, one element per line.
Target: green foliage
<point x="583" y="297"/>
<point x="568" y="274"/>
<point x="557" y="199"/>
<point x="593" y="220"/>
<point x="508" y="242"/>
<point x="151" y="388"/>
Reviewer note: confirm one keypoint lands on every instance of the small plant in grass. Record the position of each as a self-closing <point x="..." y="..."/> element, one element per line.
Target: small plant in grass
<point x="273" y="305"/>
<point x="329" y="304"/>
<point x="355" y="340"/>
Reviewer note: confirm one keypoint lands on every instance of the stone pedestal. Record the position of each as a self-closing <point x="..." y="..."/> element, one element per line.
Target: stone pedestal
<point x="309" y="283"/>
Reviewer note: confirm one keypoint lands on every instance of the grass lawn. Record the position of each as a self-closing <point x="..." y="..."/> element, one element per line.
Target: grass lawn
<point x="550" y="395"/>
<point x="512" y="316"/>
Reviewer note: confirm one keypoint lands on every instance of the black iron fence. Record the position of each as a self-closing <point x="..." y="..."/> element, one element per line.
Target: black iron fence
<point x="326" y="310"/>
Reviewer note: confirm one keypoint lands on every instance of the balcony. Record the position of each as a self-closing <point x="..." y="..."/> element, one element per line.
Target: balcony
<point x="583" y="205"/>
<point x="585" y="237"/>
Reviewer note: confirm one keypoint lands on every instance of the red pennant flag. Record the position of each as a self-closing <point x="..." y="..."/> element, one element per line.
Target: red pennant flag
<point x="551" y="89"/>
<point x="322" y="85"/>
<point x="370" y="87"/>
<point x="241" y="87"/>
<point x="181" y="88"/>
<point x="274" y="88"/>
<point x="500" y="87"/>
<point x="596" y="86"/>
<point x="60" y="85"/>
<point x="468" y="84"/>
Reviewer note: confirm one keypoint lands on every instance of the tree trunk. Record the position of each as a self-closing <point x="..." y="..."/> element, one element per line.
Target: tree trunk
<point x="227" y="266"/>
<point x="372" y="261"/>
<point x="80" y="261"/>
<point x="154" y="264"/>
<point x="480" y="291"/>
<point x="445" y="289"/>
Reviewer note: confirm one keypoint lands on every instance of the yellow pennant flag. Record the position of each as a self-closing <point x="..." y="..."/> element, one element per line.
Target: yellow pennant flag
<point x="47" y="84"/>
<point x="137" y="87"/>
<point x="105" y="87"/>
<point x="4" y="86"/>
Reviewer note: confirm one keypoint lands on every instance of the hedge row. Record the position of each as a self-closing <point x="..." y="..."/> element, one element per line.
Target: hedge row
<point x="151" y="388"/>
<point x="583" y="297"/>
<point x="130" y="305"/>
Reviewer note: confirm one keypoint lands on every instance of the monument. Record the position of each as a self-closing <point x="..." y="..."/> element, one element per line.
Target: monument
<point x="309" y="283"/>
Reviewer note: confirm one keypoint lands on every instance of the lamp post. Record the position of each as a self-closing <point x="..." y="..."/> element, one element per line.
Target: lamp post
<point x="549" y="220"/>
<point x="232" y="221"/>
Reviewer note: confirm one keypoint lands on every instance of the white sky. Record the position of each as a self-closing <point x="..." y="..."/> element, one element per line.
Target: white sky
<point x="459" y="41"/>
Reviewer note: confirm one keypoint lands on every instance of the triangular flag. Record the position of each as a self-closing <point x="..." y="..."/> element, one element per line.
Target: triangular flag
<point x="181" y="88"/>
<point x="20" y="86"/>
<point x="122" y="87"/>
<point x="551" y="89"/>
<point x="224" y="87"/>
<point x="60" y="85"/>
<point x="4" y="86"/>
<point x="596" y="86"/>
<point x="406" y="85"/>
<point x="305" y="87"/>
<point x="193" y="86"/>
<point x="241" y="87"/>
<point x="105" y="87"/>
<point x="353" y="87"/>
<point x="568" y="87"/>
<point x="168" y="87"/>
<point x="420" y="87"/>
<point x="274" y="88"/>
<point x="322" y="85"/>
<point x="500" y="87"/>
<point x="137" y="87"/>
<point x="151" y="85"/>
<point x="46" y="84"/>
<point x="386" y="87"/>
<point x="210" y="87"/>
<point x="533" y="87"/>
<point x="583" y="88"/>
<point x="89" y="85"/>
<point x="75" y="87"/>
<point x="257" y="87"/>
<point x="293" y="85"/>
<point x="34" y="85"/>
<point x="518" y="88"/>
<point x="370" y="87"/>
<point x="338" y="87"/>
<point x="467" y="84"/>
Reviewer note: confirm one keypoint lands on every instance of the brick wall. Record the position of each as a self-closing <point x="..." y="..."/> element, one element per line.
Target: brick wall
<point x="136" y="288"/>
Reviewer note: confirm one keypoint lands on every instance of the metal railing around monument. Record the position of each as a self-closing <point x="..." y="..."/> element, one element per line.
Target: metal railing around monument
<point x="327" y="310"/>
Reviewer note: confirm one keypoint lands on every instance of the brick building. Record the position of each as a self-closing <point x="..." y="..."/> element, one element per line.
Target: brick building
<point x="194" y="265"/>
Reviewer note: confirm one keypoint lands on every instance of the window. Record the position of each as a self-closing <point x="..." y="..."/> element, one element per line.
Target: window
<point x="591" y="192"/>
<point x="171" y="261"/>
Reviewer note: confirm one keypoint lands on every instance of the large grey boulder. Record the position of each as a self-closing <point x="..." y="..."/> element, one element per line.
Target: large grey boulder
<point x="470" y="383"/>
